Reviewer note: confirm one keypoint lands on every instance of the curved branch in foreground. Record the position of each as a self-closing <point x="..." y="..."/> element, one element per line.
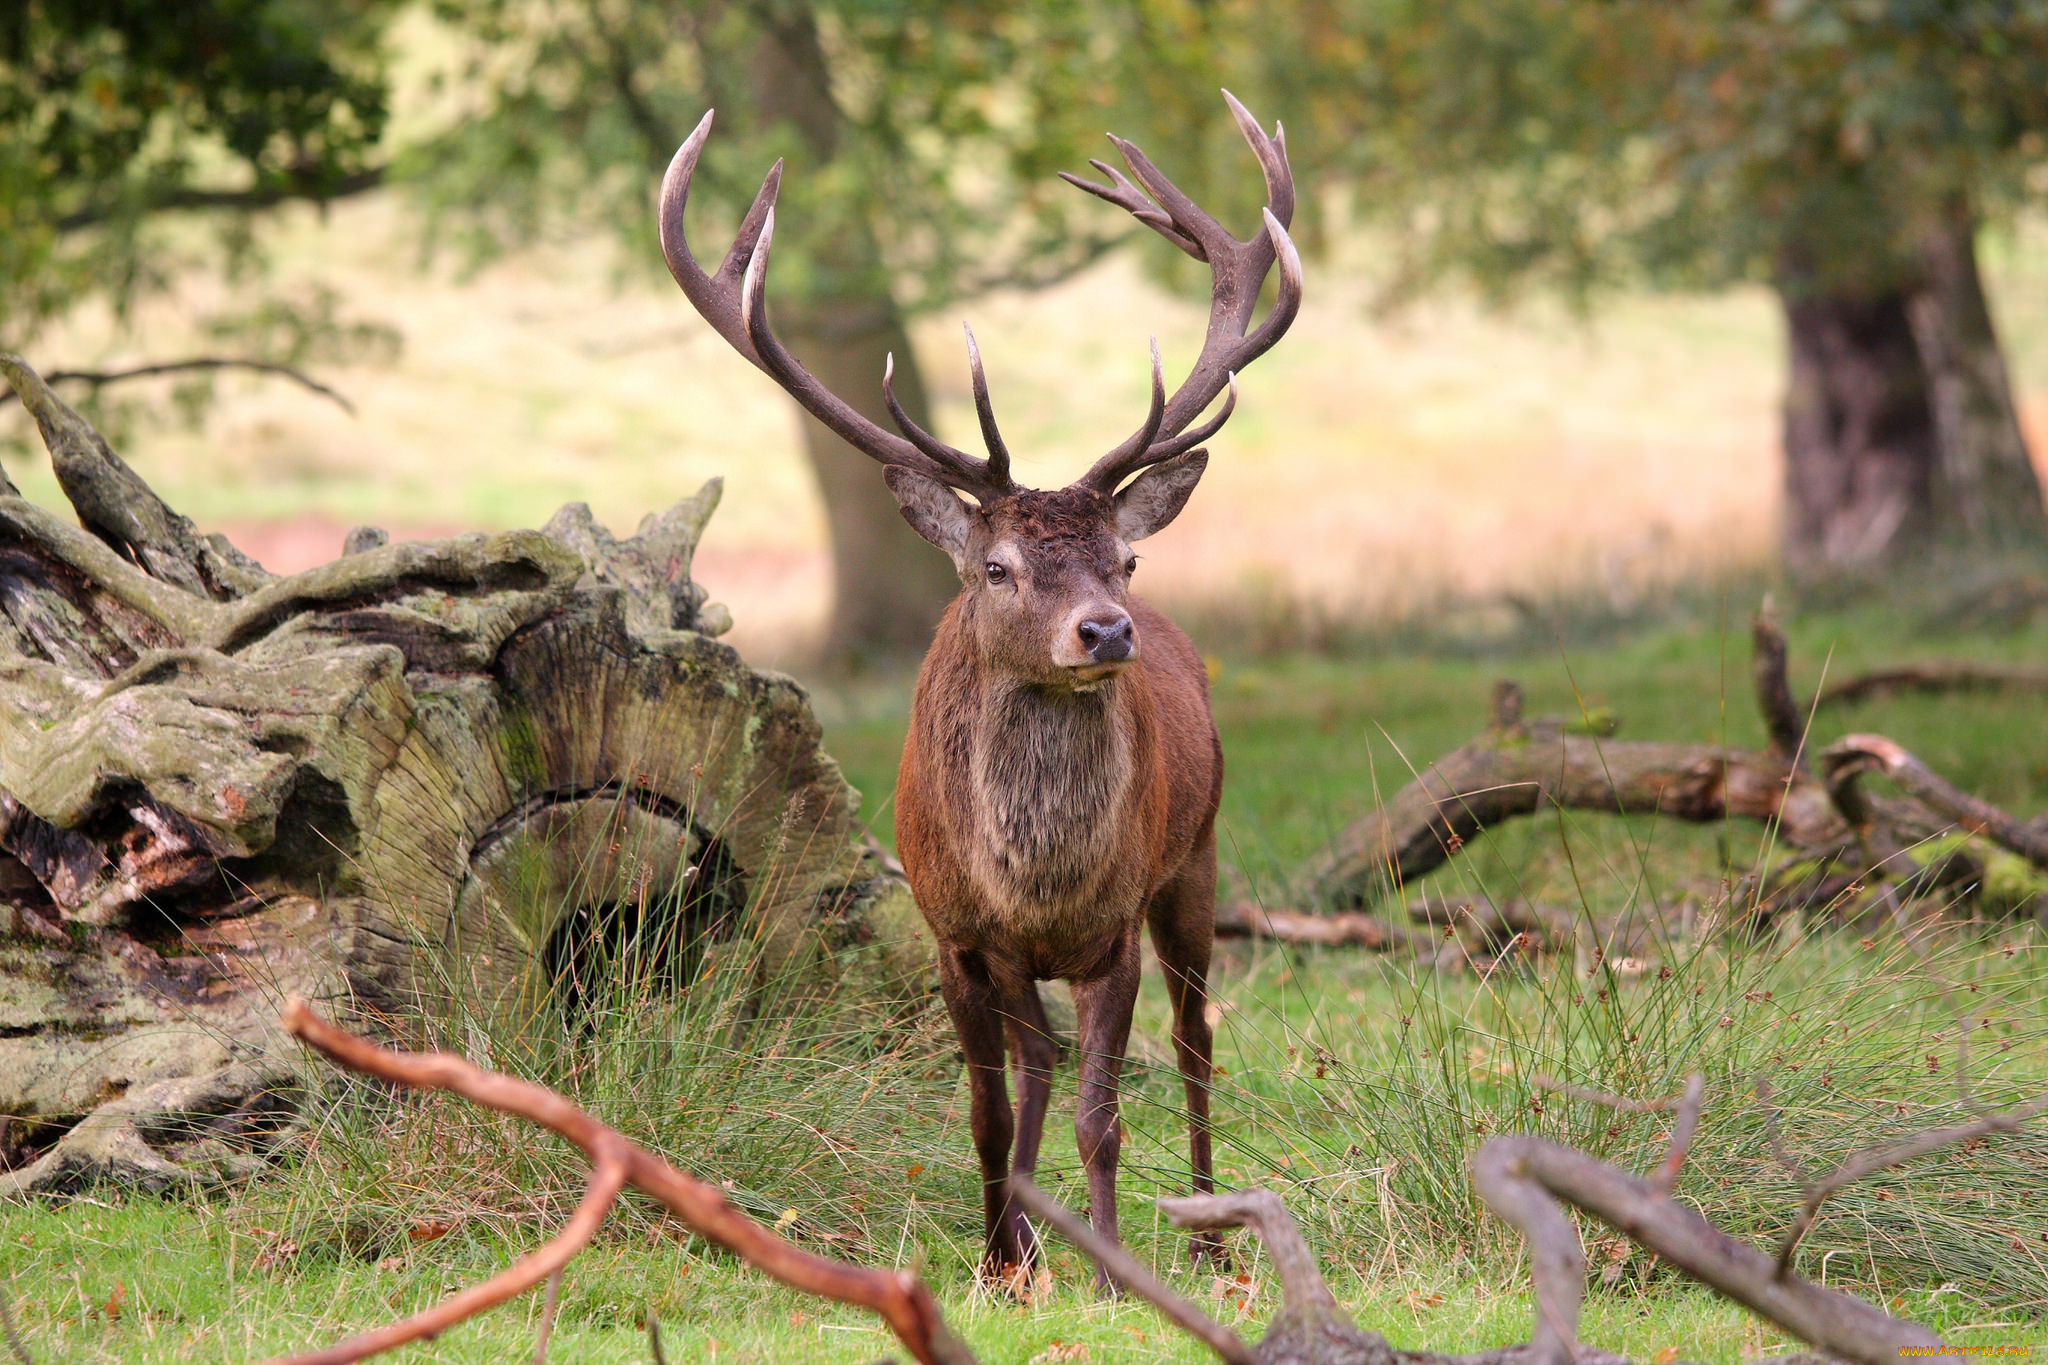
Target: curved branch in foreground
<point x="1523" y="1179"/>
<point x="1128" y="1271"/>
<point x="193" y="365"/>
<point x="1849" y="758"/>
<point x="899" y="1299"/>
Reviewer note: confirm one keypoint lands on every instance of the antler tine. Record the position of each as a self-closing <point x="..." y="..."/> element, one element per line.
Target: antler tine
<point x="733" y="300"/>
<point x="931" y="445"/>
<point x="1128" y="197"/>
<point x="1272" y="155"/>
<point x="1237" y="272"/>
<point x="716" y="295"/>
<point x="1188" y="440"/>
<point x="1114" y="467"/>
<point x="998" y="453"/>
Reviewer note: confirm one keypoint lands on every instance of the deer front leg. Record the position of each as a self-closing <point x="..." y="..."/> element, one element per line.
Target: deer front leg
<point x="1034" y="1053"/>
<point x="1102" y="1008"/>
<point x="971" y="1000"/>
<point x="1183" y="922"/>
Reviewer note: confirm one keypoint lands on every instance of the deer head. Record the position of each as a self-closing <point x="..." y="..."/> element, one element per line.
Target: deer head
<point x="1045" y="573"/>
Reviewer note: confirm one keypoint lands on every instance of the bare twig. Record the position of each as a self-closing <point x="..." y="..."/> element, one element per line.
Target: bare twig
<point x="101" y="378"/>
<point x="1779" y="1154"/>
<point x="1884" y="1156"/>
<point x="1782" y="721"/>
<point x="1523" y="1178"/>
<point x="1686" y="1102"/>
<point x="547" y="1318"/>
<point x="901" y="1300"/>
<point x="1850" y="757"/>
<point x="14" y="1341"/>
<point x="1241" y="919"/>
<point x="1607" y="1100"/>
<point x="1262" y="1212"/>
<point x="1682" y="1130"/>
<point x="1940" y="676"/>
<point x="1128" y="1271"/>
<point x="1539" y="765"/>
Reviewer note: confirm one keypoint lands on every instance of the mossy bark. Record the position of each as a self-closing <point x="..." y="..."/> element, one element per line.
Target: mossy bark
<point x="419" y="770"/>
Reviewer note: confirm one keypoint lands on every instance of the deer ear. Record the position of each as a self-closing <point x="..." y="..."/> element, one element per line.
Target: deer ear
<point x="933" y="510"/>
<point x="1156" y="496"/>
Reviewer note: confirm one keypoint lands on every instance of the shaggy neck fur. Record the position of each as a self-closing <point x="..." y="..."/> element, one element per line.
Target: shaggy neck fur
<point x="1049" y="770"/>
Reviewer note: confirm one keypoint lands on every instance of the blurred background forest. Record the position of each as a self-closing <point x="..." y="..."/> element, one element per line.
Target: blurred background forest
<point x="1607" y="304"/>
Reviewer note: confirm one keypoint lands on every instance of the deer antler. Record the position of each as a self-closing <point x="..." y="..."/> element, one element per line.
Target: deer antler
<point x="733" y="299"/>
<point x="1237" y="272"/>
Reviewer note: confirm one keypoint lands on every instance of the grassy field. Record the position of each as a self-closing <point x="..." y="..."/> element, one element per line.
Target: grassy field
<point x="1354" y="1085"/>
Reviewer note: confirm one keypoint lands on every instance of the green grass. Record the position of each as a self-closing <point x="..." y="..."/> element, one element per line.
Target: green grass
<point x="1356" y="1086"/>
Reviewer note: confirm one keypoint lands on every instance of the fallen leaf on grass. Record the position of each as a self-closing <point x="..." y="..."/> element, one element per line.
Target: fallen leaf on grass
<point x="429" y="1229"/>
<point x="1665" y="1356"/>
<point x="111" y="1309"/>
<point x="1025" y="1285"/>
<point x="1416" y="1298"/>
<point x="1061" y="1350"/>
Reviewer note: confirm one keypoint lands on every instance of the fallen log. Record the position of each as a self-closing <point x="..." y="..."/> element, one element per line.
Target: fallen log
<point x="1835" y="840"/>
<point x="478" y="766"/>
<point x="1515" y="772"/>
<point x="1935" y="678"/>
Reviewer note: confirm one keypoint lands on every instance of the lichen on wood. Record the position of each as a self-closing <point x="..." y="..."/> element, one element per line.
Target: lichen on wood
<point x="416" y="769"/>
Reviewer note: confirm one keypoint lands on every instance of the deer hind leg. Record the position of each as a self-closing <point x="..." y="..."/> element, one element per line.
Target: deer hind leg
<point x="1102" y="1009"/>
<point x="972" y="1001"/>
<point x="1183" y="922"/>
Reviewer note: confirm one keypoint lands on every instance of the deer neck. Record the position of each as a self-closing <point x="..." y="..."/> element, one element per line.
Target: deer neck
<point x="1051" y="772"/>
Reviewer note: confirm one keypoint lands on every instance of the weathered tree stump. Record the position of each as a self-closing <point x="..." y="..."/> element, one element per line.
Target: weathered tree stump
<point x="454" y="767"/>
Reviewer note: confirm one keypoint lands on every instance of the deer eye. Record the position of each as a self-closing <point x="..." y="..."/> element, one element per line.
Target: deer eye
<point x="1130" y="566"/>
<point x="996" y="572"/>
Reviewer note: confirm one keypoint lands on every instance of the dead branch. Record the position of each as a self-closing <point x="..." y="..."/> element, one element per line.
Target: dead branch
<point x="1886" y="1155"/>
<point x="1523" y="1179"/>
<point x="1936" y="677"/>
<point x="1513" y="773"/>
<point x="1128" y="1271"/>
<point x="1850" y="757"/>
<point x="195" y="364"/>
<point x="1242" y="919"/>
<point x="899" y="1299"/>
<point x="1686" y="1102"/>
<point x="14" y="1341"/>
<point x="1782" y="721"/>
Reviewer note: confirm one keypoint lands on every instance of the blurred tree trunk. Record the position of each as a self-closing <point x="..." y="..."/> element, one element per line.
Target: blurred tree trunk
<point x="1860" y="443"/>
<point x="888" y="585"/>
<point x="1988" y="490"/>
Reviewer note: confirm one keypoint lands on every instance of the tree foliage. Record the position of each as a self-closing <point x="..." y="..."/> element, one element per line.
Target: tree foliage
<point x="1580" y="143"/>
<point x="114" y="111"/>
<point x="945" y="127"/>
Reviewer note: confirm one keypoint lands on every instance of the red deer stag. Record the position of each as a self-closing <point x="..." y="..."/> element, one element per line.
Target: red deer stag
<point x="1061" y="776"/>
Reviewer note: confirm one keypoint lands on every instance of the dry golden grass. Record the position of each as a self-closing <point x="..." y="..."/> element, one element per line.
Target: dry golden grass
<point x="1374" y="464"/>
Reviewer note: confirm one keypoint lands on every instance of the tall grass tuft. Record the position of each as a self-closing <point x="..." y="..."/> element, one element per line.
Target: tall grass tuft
<point x="822" y="1107"/>
<point x="1360" y="1087"/>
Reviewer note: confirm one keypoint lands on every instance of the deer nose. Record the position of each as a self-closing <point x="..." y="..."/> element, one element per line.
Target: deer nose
<point x="1107" y="640"/>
